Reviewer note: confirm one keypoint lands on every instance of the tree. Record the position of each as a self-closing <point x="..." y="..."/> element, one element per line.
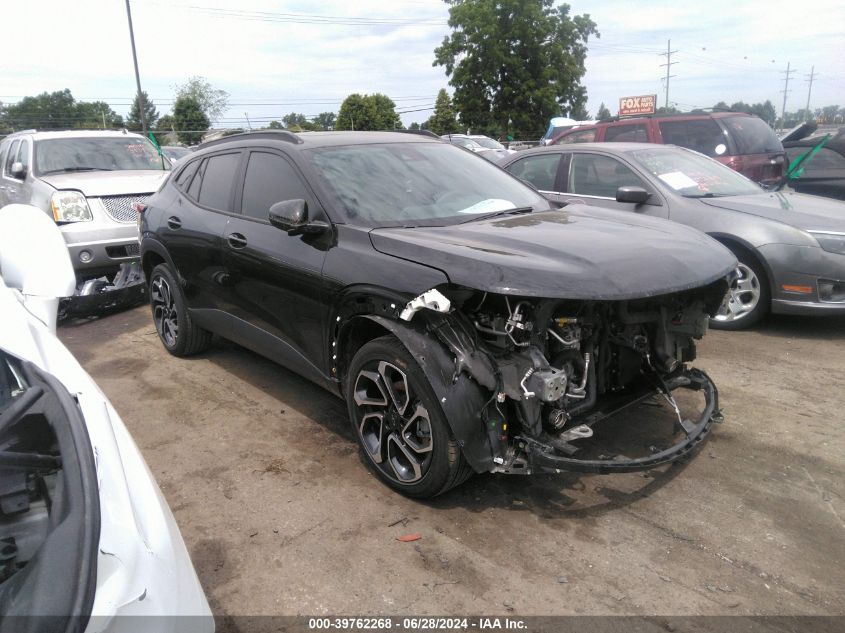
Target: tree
<point x="133" y="119"/>
<point x="325" y="121"/>
<point x="275" y="125"/>
<point x="59" y="110"/>
<point x="212" y="101"/>
<point x="298" y="122"/>
<point x="603" y="112"/>
<point x="367" y="112"/>
<point x="414" y="126"/>
<point x="164" y="128"/>
<point x="443" y="121"/>
<point x="514" y="64"/>
<point x="190" y="120"/>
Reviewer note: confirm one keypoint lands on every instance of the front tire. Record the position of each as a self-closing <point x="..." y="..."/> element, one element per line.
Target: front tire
<point x="176" y="331"/>
<point x="748" y="299"/>
<point x="399" y="424"/>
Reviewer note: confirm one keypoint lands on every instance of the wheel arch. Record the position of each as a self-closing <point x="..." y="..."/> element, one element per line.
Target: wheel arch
<point x="153" y="253"/>
<point x="735" y="244"/>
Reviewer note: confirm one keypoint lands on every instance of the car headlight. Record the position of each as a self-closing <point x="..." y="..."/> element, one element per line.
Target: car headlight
<point x="831" y="242"/>
<point x="70" y="206"/>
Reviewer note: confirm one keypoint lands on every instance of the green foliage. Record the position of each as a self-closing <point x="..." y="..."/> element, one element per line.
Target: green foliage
<point x="325" y="121"/>
<point x="665" y="110"/>
<point x="275" y="125"/>
<point x="190" y="120"/>
<point x="212" y="101"/>
<point x="164" y="129"/>
<point x="58" y="111"/>
<point x="298" y="123"/>
<point x="414" y="126"/>
<point x="765" y="110"/>
<point x="514" y="64"/>
<point x="443" y="121"/>
<point x="367" y="112"/>
<point x="133" y="119"/>
<point x="603" y="112"/>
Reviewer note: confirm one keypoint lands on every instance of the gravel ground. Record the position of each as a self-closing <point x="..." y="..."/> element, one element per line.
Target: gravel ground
<point x="281" y="516"/>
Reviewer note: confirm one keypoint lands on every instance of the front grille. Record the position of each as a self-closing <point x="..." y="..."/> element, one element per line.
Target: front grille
<point x="120" y="207"/>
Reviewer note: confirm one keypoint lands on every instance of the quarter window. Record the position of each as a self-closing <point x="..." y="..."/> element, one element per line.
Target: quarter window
<point x="269" y="179"/>
<point x="184" y="177"/>
<point x="597" y="175"/>
<point x="10" y="159"/>
<point x="585" y="136"/>
<point x="217" y="179"/>
<point x="626" y="134"/>
<point x="540" y="171"/>
<point x="23" y="155"/>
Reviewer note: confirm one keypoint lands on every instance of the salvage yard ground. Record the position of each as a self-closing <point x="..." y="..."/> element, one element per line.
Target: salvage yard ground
<point x="281" y="516"/>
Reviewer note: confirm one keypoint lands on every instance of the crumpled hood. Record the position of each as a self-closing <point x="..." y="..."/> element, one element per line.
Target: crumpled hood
<point x="109" y="183"/>
<point x="800" y="210"/>
<point x="576" y="253"/>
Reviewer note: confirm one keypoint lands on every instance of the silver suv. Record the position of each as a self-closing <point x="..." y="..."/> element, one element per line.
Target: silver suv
<point x="87" y="181"/>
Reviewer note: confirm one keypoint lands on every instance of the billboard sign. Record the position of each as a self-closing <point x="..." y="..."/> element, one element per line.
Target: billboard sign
<point x="631" y="106"/>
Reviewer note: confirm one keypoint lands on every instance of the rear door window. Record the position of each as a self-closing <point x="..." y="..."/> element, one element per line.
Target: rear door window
<point x="751" y="135"/>
<point x="269" y="179"/>
<point x="702" y="135"/>
<point x="636" y="133"/>
<point x="218" y="177"/>
<point x="601" y="176"/>
<point x="540" y="171"/>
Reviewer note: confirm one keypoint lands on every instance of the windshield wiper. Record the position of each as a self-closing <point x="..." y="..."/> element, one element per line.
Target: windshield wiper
<point x="495" y="214"/>
<point x="70" y="169"/>
<point x="709" y="194"/>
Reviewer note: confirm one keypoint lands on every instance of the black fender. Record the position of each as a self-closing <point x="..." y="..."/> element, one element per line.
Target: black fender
<point x="462" y="399"/>
<point x="152" y="245"/>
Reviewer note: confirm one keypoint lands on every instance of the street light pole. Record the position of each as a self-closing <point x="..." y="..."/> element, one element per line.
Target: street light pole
<point x="137" y="74"/>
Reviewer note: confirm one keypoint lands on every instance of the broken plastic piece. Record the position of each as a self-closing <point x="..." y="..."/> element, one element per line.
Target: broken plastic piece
<point x="409" y="538"/>
<point x="432" y="299"/>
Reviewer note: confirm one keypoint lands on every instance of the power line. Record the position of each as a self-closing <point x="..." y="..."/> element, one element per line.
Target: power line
<point x="669" y="63"/>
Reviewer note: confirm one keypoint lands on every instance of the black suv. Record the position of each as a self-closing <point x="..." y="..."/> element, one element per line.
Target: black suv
<point x="469" y="326"/>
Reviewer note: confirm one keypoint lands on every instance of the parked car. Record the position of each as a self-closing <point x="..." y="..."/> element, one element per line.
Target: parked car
<point x="823" y="173"/>
<point x="558" y="125"/>
<point x="469" y="326"/>
<point x="790" y="247"/>
<point x="740" y="141"/>
<point x="474" y="144"/>
<point x="489" y="143"/>
<point x="175" y="152"/>
<point x="86" y="536"/>
<point x="86" y="181"/>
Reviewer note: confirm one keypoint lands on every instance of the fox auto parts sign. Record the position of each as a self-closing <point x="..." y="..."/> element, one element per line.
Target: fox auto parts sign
<point x="644" y="104"/>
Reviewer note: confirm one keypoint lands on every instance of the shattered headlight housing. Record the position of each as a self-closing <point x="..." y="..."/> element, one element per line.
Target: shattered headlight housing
<point x="829" y="241"/>
<point x="70" y="206"/>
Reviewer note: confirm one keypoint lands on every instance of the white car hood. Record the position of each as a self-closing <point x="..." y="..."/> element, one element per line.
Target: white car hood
<point x="108" y="183"/>
<point x="143" y="567"/>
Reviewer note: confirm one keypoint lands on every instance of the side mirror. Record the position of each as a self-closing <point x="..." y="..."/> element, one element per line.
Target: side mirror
<point x="634" y="195"/>
<point x="18" y="170"/>
<point x="292" y="216"/>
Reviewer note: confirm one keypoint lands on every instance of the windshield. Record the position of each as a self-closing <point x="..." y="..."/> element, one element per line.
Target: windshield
<point x="175" y="152"/>
<point x="413" y="184"/>
<point x="489" y="143"/>
<point x="465" y="142"/>
<point x="57" y="155"/>
<point x="693" y="175"/>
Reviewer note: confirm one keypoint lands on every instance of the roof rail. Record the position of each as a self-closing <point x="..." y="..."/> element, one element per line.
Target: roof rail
<point x="275" y="135"/>
<point x="419" y="132"/>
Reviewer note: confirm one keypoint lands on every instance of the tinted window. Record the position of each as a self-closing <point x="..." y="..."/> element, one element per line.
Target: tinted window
<point x="585" y="136"/>
<point x="217" y="179"/>
<point x="597" y="175"/>
<point x="751" y="135"/>
<point x="13" y="150"/>
<point x="822" y="160"/>
<point x="626" y="134"/>
<point x="701" y="135"/>
<point x="540" y="171"/>
<point x="194" y="190"/>
<point x="269" y="179"/>
<point x="183" y="179"/>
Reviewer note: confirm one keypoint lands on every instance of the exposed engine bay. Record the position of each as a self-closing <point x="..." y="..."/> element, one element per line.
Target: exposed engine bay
<point x="554" y="368"/>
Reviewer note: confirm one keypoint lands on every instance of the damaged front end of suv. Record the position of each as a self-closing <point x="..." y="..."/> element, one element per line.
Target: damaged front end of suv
<point x="533" y="375"/>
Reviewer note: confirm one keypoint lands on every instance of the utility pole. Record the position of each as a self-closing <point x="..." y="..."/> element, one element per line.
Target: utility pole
<point x="249" y="125"/>
<point x="669" y="63"/>
<point x="137" y="74"/>
<point x="810" y="78"/>
<point x="785" y="91"/>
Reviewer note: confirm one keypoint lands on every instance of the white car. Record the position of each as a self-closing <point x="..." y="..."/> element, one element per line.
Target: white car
<point x="85" y="533"/>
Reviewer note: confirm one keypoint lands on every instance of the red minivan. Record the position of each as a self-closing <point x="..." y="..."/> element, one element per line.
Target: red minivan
<point x="738" y="140"/>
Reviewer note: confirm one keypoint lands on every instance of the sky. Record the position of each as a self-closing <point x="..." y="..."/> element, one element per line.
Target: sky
<point x="274" y="57"/>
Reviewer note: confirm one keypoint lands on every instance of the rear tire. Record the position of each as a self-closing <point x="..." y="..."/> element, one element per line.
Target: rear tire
<point x="176" y="331"/>
<point x="397" y="420"/>
<point x="749" y="297"/>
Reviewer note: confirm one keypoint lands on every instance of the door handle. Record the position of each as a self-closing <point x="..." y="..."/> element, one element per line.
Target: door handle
<point x="236" y="240"/>
<point x="174" y="223"/>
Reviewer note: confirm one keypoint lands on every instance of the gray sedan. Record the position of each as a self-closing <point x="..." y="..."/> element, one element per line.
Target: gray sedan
<point x="790" y="246"/>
